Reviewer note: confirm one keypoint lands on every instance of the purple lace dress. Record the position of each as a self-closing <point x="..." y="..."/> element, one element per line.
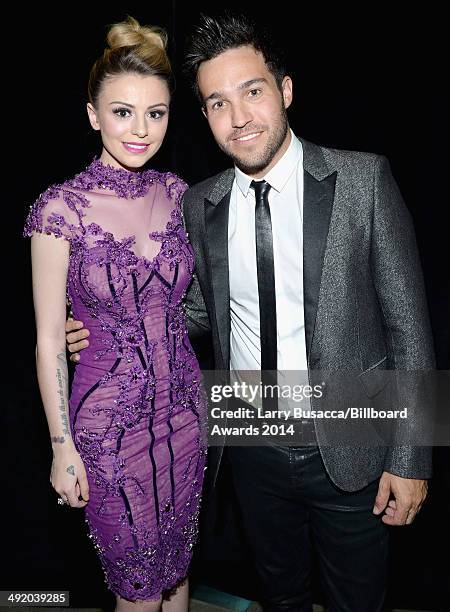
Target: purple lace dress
<point x="137" y="410"/>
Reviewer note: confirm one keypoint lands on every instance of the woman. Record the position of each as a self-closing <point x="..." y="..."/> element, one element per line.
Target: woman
<point x="128" y="446"/>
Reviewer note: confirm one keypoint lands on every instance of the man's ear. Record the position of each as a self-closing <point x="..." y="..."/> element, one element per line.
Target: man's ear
<point x="92" y="113"/>
<point x="287" y="91"/>
<point x="204" y="111"/>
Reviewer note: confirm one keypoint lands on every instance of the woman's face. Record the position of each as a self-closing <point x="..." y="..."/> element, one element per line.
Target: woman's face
<point x="132" y="112"/>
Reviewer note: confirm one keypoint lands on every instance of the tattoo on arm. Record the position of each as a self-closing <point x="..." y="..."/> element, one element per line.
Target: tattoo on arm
<point x="71" y="470"/>
<point x="62" y="379"/>
<point x="60" y="439"/>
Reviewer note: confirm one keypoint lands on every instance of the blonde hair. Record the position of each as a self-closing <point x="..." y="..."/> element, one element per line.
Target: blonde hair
<point x="132" y="48"/>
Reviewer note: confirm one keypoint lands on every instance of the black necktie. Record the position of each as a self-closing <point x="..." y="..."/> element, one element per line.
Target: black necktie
<point x="266" y="277"/>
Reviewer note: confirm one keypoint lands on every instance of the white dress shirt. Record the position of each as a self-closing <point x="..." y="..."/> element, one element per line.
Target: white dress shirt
<point x="286" y="210"/>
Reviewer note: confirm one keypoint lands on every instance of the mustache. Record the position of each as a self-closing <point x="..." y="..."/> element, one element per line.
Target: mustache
<point x="248" y="130"/>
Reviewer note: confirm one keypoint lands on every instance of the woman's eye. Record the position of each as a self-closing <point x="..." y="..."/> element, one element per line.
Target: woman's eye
<point x="157" y="114"/>
<point x="122" y="112"/>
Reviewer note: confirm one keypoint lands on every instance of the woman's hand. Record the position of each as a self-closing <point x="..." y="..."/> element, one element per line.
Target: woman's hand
<point x="68" y="478"/>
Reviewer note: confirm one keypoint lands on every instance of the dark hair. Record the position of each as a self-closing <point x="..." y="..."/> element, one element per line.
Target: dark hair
<point x="132" y="48"/>
<point x="215" y="35"/>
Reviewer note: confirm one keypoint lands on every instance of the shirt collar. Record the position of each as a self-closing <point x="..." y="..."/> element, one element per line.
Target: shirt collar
<point x="278" y="176"/>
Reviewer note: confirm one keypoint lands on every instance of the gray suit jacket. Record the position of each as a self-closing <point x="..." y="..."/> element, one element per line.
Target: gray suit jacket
<point x="364" y="297"/>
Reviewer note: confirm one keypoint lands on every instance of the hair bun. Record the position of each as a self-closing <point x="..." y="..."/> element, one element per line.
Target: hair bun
<point x="132" y="49"/>
<point x="130" y="33"/>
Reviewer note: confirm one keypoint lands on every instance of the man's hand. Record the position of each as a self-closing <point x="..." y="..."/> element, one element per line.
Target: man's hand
<point x="409" y="495"/>
<point x="76" y="336"/>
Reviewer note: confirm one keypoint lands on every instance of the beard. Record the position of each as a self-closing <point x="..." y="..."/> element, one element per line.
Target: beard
<point x="259" y="160"/>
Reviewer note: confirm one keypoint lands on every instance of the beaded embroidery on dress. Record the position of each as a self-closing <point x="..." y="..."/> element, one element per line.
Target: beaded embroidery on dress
<point x="137" y="409"/>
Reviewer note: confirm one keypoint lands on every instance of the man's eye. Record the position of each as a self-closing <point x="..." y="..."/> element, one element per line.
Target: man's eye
<point x="122" y="112"/>
<point x="254" y="92"/>
<point x="217" y="105"/>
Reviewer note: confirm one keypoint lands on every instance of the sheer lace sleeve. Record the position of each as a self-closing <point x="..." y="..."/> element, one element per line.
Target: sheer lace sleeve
<point x="176" y="187"/>
<point x="57" y="211"/>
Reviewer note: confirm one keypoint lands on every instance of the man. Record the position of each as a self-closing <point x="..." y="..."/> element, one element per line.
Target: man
<point x="354" y="301"/>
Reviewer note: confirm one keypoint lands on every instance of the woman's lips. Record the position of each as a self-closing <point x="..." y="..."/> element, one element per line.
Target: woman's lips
<point x="135" y="147"/>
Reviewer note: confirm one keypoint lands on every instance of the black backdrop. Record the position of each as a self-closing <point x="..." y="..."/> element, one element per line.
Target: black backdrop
<point x="363" y="81"/>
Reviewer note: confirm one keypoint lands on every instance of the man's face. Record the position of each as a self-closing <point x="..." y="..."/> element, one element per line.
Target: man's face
<point x="245" y="109"/>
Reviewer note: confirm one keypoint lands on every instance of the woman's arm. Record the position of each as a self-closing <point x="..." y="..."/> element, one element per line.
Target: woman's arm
<point x="50" y="261"/>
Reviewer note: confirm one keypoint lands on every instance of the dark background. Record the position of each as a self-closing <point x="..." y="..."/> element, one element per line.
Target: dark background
<point x="369" y="81"/>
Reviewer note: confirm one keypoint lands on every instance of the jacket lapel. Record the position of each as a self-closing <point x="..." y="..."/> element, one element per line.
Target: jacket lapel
<point x="217" y="206"/>
<point x="319" y="186"/>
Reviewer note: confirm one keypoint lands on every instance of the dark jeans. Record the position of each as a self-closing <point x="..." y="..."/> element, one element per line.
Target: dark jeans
<point x="288" y="502"/>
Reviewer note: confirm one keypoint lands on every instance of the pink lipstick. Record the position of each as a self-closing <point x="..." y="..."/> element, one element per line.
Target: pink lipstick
<point x="136" y="147"/>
